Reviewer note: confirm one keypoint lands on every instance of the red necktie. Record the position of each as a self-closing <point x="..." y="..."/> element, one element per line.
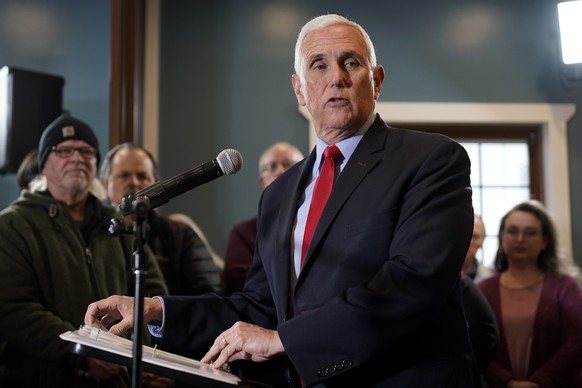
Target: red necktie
<point x="321" y="192"/>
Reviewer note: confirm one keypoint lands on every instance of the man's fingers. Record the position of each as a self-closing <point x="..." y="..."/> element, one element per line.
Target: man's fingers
<point x="121" y="327"/>
<point x="101" y="308"/>
<point x="102" y="324"/>
<point x="208" y="357"/>
<point x="92" y="315"/>
<point x="214" y="350"/>
<point x="244" y="341"/>
<point x="106" y="312"/>
<point x="224" y="346"/>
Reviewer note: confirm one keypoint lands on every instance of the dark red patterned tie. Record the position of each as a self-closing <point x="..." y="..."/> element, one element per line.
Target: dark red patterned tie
<point x="321" y="192"/>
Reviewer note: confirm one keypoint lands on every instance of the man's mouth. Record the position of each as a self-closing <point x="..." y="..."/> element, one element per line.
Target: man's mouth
<point x="337" y="101"/>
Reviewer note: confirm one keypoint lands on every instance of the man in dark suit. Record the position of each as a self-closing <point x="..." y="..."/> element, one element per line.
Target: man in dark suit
<point x="240" y="248"/>
<point x="376" y="302"/>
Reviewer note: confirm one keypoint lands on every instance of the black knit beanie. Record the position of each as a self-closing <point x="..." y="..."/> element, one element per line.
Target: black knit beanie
<point x="65" y="128"/>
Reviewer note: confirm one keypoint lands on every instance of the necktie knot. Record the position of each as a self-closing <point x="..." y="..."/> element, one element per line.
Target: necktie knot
<point x="332" y="152"/>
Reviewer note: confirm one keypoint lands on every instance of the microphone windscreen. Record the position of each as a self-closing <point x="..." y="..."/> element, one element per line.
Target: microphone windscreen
<point x="230" y="161"/>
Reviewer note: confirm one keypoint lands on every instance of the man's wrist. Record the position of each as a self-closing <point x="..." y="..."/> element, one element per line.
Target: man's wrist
<point x="155" y="316"/>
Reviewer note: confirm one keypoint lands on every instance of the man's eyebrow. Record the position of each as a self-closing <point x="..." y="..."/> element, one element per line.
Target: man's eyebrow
<point x="345" y="54"/>
<point x="354" y="54"/>
<point x="351" y="53"/>
<point x="315" y="58"/>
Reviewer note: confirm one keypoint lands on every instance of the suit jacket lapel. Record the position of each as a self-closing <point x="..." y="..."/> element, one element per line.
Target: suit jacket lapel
<point x="288" y="213"/>
<point x="360" y="164"/>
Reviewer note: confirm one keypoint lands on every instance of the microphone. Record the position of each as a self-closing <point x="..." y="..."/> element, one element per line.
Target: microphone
<point x="227" y="162"/>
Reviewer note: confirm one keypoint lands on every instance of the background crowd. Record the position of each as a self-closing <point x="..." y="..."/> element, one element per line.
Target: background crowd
<point x="518" y="325"/>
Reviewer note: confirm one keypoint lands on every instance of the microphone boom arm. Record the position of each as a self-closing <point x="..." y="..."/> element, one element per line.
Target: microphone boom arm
<point x="227" y="162"/>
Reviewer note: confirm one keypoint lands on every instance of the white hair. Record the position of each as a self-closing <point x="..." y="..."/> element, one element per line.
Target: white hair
<point x="324" y="21"/>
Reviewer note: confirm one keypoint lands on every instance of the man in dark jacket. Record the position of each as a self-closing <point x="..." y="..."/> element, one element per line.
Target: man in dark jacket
<point x="182" y="255"/>
<point x="56" y="255"/>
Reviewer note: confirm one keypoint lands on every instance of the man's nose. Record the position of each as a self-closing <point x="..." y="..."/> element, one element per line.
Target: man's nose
<point x="76" y="155"/>
<point x="136" y="183"/>
<point x="338" y="75"/>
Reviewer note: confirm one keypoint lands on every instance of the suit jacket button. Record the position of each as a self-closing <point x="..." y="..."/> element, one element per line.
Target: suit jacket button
<point x="347" y="363"/>
<point x="331" y="369"/>
<point x="322" y="372"/>
<point x="339" y="366"/>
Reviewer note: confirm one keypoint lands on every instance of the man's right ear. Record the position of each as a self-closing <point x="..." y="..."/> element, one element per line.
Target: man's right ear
<point x="296" y="81"/>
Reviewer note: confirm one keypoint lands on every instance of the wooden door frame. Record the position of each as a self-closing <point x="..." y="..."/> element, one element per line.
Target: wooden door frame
<point x="127" y="64"/>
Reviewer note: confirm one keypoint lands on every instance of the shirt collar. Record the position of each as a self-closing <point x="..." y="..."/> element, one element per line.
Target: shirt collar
<point x="346" y="146"/>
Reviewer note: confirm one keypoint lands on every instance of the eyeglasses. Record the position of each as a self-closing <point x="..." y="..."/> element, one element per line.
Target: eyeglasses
<point x="527" y="232"/>
<point x="68" y="151"/>
<point x="273" y="166"/>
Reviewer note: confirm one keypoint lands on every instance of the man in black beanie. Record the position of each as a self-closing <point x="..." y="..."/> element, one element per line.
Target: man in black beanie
<point x="56" y="256"/>
<point x="64" y="128"/>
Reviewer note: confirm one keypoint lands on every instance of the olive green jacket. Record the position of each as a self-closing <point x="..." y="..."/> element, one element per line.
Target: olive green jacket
<point x="50" y="270"/>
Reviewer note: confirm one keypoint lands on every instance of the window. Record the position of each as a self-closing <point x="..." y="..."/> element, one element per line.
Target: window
<point x="500" y="179"/>
<point x="505" y="170"/>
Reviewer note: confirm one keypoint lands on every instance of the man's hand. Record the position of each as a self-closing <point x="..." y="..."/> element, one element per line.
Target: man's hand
<point x="105" y="312"/>
<point x="244" y="341"/>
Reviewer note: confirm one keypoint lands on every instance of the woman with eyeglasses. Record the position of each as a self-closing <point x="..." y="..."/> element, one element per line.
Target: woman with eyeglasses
<point x="538" y="308"/>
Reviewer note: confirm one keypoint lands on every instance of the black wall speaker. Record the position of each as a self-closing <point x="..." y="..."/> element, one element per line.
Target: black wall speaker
<point x="29" y="102"/>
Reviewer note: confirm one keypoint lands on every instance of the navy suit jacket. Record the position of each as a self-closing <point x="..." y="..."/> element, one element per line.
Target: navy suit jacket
<point x="378" y="300"/>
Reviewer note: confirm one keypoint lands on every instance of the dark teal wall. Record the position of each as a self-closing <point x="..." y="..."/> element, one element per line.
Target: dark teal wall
<point x="226" y="68"/>
<point x="69" y="38"/>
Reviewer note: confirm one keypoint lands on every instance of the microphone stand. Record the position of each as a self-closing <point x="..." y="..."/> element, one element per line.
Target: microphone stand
<point x="141" y="209"/>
